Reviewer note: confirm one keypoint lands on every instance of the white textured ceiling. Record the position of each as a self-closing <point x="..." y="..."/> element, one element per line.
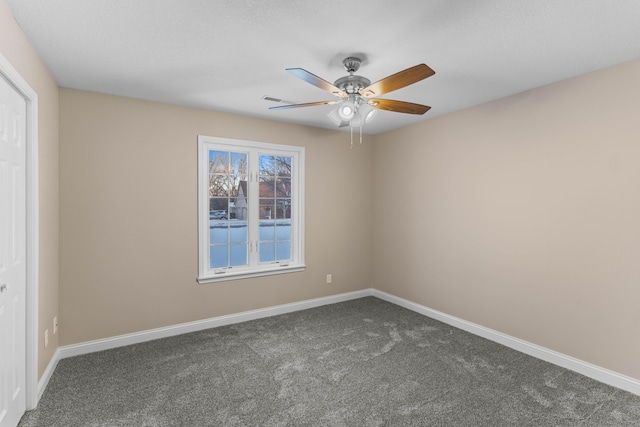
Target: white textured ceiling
<point x="225" y="55"/>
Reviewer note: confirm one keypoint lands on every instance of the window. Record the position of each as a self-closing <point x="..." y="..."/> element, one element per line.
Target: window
<point x="250" y="209"/>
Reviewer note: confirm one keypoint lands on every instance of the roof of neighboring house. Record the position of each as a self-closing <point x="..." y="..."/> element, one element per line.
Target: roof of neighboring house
<point x="242" y="188"/>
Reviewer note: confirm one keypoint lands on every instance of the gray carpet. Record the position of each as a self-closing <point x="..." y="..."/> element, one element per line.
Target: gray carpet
<point x="364" y="362"/>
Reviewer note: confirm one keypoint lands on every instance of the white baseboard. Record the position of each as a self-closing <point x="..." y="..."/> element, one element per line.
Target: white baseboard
<point x="46" y="376"/>
<point x="600" y="374"/>
<point x="592" y="371"/>
<point x="183" y="328"/>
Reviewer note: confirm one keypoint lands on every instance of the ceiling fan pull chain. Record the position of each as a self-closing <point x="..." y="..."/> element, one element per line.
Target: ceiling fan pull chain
<point x="351" y="128"/>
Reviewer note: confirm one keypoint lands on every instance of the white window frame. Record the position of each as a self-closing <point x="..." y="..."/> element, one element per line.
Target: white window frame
<point x="255" y="268"/>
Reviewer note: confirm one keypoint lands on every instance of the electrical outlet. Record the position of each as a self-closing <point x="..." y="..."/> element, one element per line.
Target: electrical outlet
<point x="46" y="338"/>
<point x="329" y="279"/>
<point x="55" y="325"/>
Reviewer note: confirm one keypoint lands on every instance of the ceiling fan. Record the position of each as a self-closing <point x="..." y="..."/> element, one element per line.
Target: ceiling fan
<point x="358" y="97"/>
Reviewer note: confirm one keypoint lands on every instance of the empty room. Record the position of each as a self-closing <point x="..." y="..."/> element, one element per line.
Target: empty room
<point x="319" y="213"/>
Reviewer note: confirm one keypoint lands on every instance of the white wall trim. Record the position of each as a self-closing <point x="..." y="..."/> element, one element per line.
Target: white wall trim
<point x="46" y="375"/>
<point x="183" y="328"/>
<point x="587" y="369"/>
<point x="32" y="227"/>
<point x="600" y="374"/>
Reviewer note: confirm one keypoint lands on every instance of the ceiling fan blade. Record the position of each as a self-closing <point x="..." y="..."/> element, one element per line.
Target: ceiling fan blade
<point x="278" y="100"/>
<point x="317" y="81"/>
<point x="398" y="106"/>
<point x="398" y="80"/>
<point x="306" y="104"/>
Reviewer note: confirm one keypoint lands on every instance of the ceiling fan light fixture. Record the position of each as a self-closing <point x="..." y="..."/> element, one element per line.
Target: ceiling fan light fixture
<point x="335" y="118"/>
<point x="357" y="120"/>
<point x="368" y="115"/>
<point x="364" y="114"/>
<point x="347" y="110"/>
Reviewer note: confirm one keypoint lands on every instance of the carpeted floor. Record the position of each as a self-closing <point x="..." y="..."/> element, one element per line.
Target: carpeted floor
<point x="364" y="362"/>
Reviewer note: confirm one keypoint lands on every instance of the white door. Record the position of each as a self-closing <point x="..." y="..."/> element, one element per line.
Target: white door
<point x="12" y="254"/>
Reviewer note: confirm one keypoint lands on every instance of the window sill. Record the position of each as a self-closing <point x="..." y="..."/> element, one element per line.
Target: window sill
<point x="247" y="274"/>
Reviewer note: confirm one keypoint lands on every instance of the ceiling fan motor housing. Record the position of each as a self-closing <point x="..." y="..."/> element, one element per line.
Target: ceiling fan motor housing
<point x="351" y="84"/>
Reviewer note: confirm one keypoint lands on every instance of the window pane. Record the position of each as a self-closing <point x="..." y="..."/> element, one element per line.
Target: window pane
<point x="238" y="232"/>
<point x="218" y="208"/>
<point x="238" y="255"/>
<point x="267" y="252"/>
<point x="241" y="201"/>
<point x="219" y="186"/>
<point x="239" y="164"/>
<point x="218" y="232"/>
<point x="283" y="187"/>
<point x="267" y="188"/>
<point x="218" y="161"/>
<point x="267" y="208"/>
<point x="283" y="251"/>
<point x="267" y="166"/>
<point x="283" y="210"/>
<point x="283" y="230"/>
<point x="275" y="203"/>
<point x="228" y="198"/>
<point x="218" y="256"/>
<point x="283" y="166"/>
<point x="267" y="230"/>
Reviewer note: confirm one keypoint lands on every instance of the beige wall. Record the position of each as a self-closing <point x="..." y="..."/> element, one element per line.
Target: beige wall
<point x="15" y="47"/>
<point x="523" y="215"/>
<point x="128" y="216"/>
<point x="520" y="215"/>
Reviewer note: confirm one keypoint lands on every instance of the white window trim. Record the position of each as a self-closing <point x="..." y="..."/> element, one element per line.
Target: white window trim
<point x="207" y="275"/>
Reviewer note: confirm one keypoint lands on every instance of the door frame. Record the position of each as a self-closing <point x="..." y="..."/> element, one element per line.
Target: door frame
<point x="8" y="72"/>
